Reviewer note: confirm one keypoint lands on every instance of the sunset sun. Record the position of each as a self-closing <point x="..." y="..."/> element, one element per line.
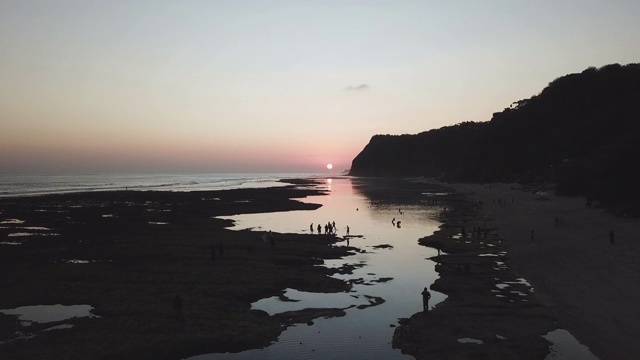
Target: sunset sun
<point x="329" y="166"/>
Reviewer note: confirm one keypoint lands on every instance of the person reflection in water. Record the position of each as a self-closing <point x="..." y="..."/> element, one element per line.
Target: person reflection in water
<point x="425" y="299"/>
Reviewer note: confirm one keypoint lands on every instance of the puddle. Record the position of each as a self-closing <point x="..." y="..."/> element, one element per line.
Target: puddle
<point x="470" y="341"/>
<point x="23" y="234"/>
<point x="566" y="347"/>
<point x="298" y="300"/>
<point x="83" y="261"/>
<point x="59" y="327"/>
<point x="10" y="243"/>
<point x="49" y="313"/>
<point x="12" y="221"/>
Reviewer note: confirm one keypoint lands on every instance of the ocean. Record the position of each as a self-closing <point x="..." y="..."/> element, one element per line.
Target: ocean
<point x="25" y="185"/>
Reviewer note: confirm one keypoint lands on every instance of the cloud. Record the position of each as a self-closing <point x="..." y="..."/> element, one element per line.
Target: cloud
<point x="358" y="88"/>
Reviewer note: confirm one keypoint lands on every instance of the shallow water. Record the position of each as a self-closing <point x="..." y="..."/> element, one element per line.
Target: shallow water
<point x="365" y="333"/>
<point x="566" y="347"/>
<point x="362" y="333"/>
<point x="49" y="313"/>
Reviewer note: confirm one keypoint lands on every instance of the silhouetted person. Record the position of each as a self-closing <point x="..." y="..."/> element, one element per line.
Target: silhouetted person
<point x="611" y="239"/>
<point x="425" y="299"/>
<point x="319" y="229"/>
<point x="393" y="221"/>
<point x="311" y="228"/>
<point x="177" y="303"/>
<point x="347" y="230"/>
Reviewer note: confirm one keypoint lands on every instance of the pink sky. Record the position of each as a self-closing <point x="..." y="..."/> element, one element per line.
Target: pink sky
<point x="256" y="86"/>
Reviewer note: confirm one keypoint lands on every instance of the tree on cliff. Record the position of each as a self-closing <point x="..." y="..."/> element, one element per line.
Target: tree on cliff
<point x="582" y="131"/>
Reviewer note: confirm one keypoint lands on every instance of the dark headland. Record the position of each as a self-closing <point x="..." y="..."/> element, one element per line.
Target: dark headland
<point x="581" y="132"/>
<point x="552" y="180"/>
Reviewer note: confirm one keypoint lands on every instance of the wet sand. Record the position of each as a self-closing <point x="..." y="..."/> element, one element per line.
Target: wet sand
<point x="136" y="252"/>
<point x="590" y="285"/>
<point x="490" y="313"/>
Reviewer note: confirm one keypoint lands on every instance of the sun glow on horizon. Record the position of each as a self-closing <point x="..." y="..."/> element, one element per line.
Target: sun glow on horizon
<point x="329" y="166"/>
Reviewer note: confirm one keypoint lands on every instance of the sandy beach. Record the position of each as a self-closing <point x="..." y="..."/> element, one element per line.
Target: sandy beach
<point x="590" y="285"/>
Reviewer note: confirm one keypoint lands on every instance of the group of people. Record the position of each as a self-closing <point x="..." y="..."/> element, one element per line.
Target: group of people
<point x="329" y="228"/>
<point x="501" y="202"/>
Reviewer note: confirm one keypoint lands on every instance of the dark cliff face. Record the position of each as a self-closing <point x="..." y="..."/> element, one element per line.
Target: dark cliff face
<point x="582" y="131"/>
<point x="430" y="153"/>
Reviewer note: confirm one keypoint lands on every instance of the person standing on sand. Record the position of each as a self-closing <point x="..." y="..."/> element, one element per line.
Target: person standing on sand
<point x="425" y="299"/>
<point x="347" y="230"/>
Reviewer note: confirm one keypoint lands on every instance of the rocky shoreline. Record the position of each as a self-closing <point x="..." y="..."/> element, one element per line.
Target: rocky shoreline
<point x="489" y="313"/>
<point x="129" y="254"/>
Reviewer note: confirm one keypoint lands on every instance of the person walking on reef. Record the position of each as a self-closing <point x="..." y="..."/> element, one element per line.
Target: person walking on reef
<point x="425" y="299"/>
<point x="347" y="230"/>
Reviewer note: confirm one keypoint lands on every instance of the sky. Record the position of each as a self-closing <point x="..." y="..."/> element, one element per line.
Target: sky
<point x="274" y="86"/>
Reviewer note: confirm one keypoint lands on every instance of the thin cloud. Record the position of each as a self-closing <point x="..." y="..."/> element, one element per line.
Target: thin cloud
<point x="358" y="88"/>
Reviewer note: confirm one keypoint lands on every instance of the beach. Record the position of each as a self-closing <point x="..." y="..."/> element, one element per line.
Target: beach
<point x="590" y="284"/>
<point x="128" y="254"/>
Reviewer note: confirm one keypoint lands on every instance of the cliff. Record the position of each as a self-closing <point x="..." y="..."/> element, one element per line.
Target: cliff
<point x="582" y="131"/>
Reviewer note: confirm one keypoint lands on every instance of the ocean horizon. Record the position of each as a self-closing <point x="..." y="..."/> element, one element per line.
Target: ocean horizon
<point x="29" y="185"/>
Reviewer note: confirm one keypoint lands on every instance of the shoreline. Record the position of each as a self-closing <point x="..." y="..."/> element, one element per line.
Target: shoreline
<point x="590" y="284"/>
<point x="581" y="281"/>
<point x="489" y="312"/>
<point x="141" y="249"/>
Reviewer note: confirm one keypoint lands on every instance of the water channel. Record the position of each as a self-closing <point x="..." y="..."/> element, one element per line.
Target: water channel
<point x="397" y="272"/>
